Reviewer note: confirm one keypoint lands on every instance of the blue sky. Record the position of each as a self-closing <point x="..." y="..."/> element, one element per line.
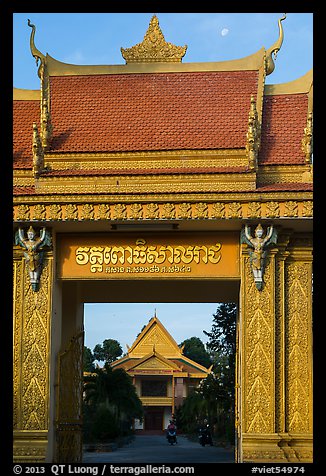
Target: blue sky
<point x="96" y="38"/>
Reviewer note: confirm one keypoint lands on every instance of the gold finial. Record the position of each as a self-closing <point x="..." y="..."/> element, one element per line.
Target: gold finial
<point x="307" y="139"/>
<point x="253" y="134"/>
<point x="154" y="48"/>
<point x="38" y="153"/>
<point x="273" y="50"/>
<point x="35" y="52"/>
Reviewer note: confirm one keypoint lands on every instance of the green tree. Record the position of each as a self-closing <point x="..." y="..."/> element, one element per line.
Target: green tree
<point x="110" y="394"/>
<point x="88" y="360"/>
<point x="222" y="345"/>
<point x="195" y="350"/>
<point x="108" y="352"/>
<point x="214" y="398"/>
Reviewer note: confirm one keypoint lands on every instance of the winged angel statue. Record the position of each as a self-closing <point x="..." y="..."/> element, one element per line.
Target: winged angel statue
<point x="259" y="243"/>
<point x="33" y="254"/>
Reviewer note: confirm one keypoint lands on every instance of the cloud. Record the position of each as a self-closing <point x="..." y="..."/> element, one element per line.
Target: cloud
<point x="76" y="57"/>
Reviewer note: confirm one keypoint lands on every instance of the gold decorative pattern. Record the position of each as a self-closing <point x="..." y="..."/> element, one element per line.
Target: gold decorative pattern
<point x="307" y="139"/>
<point x="258" y="329"/>
<point x="69" y="409"/>
<point x="38" y="153"/>
<point x="154" y="48"/>
<point x="32" y="312"/>
<point x="162" y="211"/>
<point x="253" y="135"/>
<point x="298" y="347"/>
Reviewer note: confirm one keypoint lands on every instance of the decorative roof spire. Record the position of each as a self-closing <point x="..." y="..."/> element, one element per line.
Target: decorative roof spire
<point x="154" y="48"/>
<point x="274" y="49"/>
<point x="46" y="126"/>
<point x="38" y="152"/>
<point x="253" y="135"/>
<point x="307" y="139"/>
<point x="35" y="52"/>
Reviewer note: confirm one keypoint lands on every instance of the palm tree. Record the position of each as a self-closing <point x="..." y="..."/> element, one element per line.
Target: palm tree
<point x="113" y="390"/>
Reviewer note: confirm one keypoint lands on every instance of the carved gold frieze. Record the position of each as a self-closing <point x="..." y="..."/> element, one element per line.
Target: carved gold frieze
<point x="160" y="183"/>
<point x="280" y="173"/>
<point x="91" y="211"/>
<point x="122" y="161"/>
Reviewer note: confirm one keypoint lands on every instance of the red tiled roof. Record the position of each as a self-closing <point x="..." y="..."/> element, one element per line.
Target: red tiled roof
<point x="24" y="114"/>
<point x="142" y="112"/>
<point x="283" y="123"/>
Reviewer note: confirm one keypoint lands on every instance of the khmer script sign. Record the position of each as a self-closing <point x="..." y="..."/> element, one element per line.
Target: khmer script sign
<point x="146" y="256"/>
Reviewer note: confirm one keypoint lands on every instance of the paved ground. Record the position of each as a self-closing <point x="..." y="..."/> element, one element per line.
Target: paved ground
<point x="155" y="449"/>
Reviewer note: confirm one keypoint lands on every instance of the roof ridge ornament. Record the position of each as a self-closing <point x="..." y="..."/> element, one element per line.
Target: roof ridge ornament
<point x="253" y="135"/>
<point x="46" y="126"/>
<point x="154" y="48"/>
<point x="35" y="52"/>
<point x="307" y="139"/>
<point x="274" y="49"/>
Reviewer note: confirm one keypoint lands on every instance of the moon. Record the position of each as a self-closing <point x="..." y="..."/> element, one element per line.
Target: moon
<point x="225" y="31"/>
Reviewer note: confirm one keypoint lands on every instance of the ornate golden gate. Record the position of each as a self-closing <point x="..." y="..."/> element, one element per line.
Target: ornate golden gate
<point x="69" y="401"/>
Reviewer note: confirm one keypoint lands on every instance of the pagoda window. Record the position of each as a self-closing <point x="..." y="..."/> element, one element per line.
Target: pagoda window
<point x="154" y="388"/>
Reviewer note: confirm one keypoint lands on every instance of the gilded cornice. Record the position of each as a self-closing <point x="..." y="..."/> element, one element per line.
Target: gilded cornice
<point x="298" y="86"/>
<point x="251" y="62"/>
<point x="26" y="94"/>
<point x="145" y="160"/>
<point x="170" y="183"/>
<point x="268" y="174"/>
<point x="261" y="207"/>
<point x="242" y="197"/>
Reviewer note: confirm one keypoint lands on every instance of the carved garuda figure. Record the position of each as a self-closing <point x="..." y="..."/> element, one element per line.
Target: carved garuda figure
<point x="259" y="253"/>
<point x="33" y="254"/>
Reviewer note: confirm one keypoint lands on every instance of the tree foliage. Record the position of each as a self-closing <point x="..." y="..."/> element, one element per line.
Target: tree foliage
<point x="110" y="394"/>
<point x="214" y="398"/>
<point x="195" y="350"/>
<point x="222" y="345"/>
<point x="108" y="351"/>
<point x="88" y="360"/>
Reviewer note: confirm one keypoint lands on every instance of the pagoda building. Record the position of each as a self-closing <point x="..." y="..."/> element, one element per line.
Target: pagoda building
<point x="162" y="374"/>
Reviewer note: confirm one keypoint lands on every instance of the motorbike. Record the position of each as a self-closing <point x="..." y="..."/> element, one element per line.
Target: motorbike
<point x="172" y="436"/>
<point x="205" y="437"/>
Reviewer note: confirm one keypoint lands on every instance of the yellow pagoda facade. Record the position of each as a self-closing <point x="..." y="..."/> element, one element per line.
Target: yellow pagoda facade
<point x="162" y="374"/>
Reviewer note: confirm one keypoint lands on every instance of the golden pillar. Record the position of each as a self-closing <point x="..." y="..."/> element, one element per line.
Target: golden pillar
<point x="31" y="342"/>
<point x="298" y="417"/>
<point x="275" y="347"/>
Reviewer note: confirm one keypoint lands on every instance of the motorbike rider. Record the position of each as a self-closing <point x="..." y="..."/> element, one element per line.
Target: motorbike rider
<point x="172" y="430"/>
<point x="205" y="436"/>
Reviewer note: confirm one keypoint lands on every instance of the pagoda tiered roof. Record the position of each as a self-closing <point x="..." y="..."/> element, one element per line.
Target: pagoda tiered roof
<point x="164" y="119"/>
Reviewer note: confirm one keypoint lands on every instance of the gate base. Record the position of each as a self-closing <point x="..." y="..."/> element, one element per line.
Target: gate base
<point x="30" y="446"/>
<point x="277" y="447"/>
